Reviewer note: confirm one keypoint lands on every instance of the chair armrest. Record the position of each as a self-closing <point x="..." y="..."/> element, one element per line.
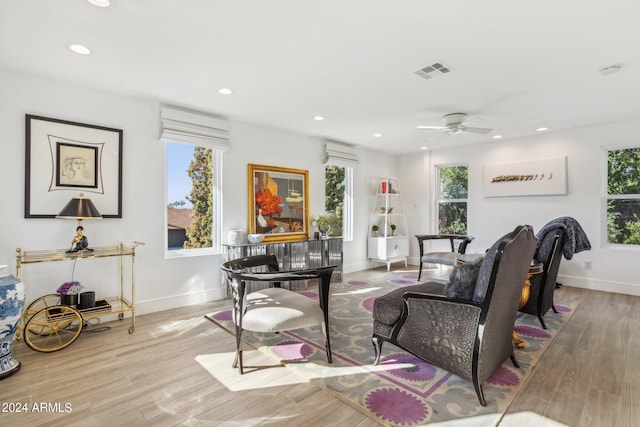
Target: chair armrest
<point x="465" y="240"/>
<point x="443" y="298"/>
<point x="322" y="273"/>
<point x="439" y="330"/>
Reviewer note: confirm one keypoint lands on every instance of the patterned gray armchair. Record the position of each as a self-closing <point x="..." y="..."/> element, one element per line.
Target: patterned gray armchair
<point x="469" y="338"/>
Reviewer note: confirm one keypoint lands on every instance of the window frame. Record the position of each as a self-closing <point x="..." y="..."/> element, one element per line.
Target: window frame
<point x="605" y="196"/>
<point x="347" y="208"/>
<point x="347" y="201"/>
<point x="438" y="196"/>
<point x="216" y="192"/>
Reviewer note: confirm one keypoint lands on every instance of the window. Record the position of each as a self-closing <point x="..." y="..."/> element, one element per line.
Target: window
<point x="452" y="199"/>
<point x="338" y="200"/>
<point x="190" y="196"/>
<point x="340" y="160"/>
<point x="194" y="143"/>
<point x="623" y="196"/>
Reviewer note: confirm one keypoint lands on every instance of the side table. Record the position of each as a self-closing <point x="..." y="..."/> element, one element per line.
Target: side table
<point x="535" y="267"/>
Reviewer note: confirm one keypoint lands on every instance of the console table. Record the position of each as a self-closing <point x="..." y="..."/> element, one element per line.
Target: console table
<point x="298" y="255"/>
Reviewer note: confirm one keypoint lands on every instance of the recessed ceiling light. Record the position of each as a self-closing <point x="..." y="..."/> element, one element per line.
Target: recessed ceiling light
<point x="497" y="136"/>
<point x="424" y="148"/>
<point x="225" y="91"/>
<point x="100" y="3"/>
<point x="542" y="129"/>
<point x="377" y="135"/>
<point x="318" y="118"/>
<point x="80" y="49"/>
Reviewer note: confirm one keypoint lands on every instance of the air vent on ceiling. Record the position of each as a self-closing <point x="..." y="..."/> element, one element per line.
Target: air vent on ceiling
<point x="433" y="70"/>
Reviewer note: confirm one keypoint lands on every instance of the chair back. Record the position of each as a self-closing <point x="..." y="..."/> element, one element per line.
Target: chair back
<point x="549" y="253"/>
<point x="235" y="265"/>
<point x="504" y="271"/>
<point x="234" y="269"/>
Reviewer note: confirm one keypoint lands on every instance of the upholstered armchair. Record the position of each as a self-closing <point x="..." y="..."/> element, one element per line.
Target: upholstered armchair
<point x="275" y="309"/>
<point x="444" y="258"/>
<point x="471" y="337"/>
<point x="549" y="253"/>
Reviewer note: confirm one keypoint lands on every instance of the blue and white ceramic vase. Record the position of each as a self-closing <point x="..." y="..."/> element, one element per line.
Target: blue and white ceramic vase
<point x="12" y="298"/>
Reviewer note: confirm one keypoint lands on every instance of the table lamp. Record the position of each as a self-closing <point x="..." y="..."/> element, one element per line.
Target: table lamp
<point x="79" y="208"/>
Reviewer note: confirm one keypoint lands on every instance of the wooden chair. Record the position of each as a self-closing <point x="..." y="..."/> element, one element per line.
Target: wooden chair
<point x="275" y="309"/>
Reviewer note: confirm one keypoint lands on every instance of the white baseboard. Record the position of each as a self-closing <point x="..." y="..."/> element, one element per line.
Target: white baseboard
<point x="600" y="285"/>
<point x="176" y="301"/>
<point x="352" y="268"/>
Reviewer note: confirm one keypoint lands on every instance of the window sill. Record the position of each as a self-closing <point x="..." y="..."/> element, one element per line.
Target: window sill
<point x="188" y="253"/>
<point x="618" y="247"/>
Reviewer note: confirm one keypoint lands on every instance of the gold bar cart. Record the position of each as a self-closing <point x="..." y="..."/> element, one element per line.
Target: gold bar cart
<point x="47" y="325"/>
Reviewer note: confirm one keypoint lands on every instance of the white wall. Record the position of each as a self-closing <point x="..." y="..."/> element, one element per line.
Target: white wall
<point x="164" y="283"/>
<point x="614" y="269"/>
<point x="160" y="283"/>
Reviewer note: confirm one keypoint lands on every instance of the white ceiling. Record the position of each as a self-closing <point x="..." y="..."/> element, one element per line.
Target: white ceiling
<point x="517" y="64"/>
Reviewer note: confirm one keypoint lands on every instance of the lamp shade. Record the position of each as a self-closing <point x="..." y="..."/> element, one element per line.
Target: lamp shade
<point x="80" y="208"/>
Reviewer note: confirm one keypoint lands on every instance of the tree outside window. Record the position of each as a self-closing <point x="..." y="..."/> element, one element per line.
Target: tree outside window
<point x="623" y="196"/>
<point x="452" y="200"/>
<point x="190" y="189"/>
<point x="335" y="186"/>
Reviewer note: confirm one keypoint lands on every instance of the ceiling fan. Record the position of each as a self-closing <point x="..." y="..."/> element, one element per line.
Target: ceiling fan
<point x="454" y="124"/>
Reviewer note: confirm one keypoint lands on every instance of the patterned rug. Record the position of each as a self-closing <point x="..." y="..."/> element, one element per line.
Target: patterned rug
<point x="402" y="390"/>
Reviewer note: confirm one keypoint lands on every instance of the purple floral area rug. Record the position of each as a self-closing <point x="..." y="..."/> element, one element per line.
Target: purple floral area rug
<point x="401" y="390"/>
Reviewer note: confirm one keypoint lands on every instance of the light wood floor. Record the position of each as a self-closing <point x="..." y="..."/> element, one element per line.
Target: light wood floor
<point x="175" y="370"/>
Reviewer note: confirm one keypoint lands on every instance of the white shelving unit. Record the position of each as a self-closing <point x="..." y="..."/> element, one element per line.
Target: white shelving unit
<point x="388" y="245"/>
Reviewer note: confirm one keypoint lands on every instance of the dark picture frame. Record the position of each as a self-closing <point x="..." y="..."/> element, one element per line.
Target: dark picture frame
<point x="76" y="165"/>
<point x="65" y="158"/>
<point x="279" y="203"/>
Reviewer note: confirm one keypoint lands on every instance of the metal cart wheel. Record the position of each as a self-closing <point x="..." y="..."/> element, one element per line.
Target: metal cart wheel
<point x="53" y="328"/>
<point x="120" y="316"/>
<point x="43" y="302"/>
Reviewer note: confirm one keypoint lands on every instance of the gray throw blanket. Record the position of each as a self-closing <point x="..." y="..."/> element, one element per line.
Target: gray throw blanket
<point x="575" y="239"/>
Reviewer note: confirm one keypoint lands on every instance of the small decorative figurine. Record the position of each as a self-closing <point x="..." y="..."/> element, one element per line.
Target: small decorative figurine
<point x="79" y="242"/>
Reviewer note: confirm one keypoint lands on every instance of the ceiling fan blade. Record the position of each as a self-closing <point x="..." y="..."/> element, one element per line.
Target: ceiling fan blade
<point x="430" y="127"/>
<point x="438" y="136"/>
<point x="475" y="130"/>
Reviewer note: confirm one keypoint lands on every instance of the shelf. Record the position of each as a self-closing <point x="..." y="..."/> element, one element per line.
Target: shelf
<point x="30" y="257"/>
<point x="388" y="210"/>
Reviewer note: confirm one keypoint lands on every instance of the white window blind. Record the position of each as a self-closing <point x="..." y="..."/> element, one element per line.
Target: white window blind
<point x="194" y="127"/>
<point x="340" y="155"/>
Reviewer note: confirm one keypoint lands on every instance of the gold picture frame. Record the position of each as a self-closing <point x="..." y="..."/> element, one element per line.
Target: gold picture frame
<point x="278" y="203"/>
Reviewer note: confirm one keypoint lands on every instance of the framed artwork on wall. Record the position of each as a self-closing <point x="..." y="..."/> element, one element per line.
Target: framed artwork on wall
<point x="278" y="202"/>
<point x="64" y="159"/>
<point x="530" y="178"/>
